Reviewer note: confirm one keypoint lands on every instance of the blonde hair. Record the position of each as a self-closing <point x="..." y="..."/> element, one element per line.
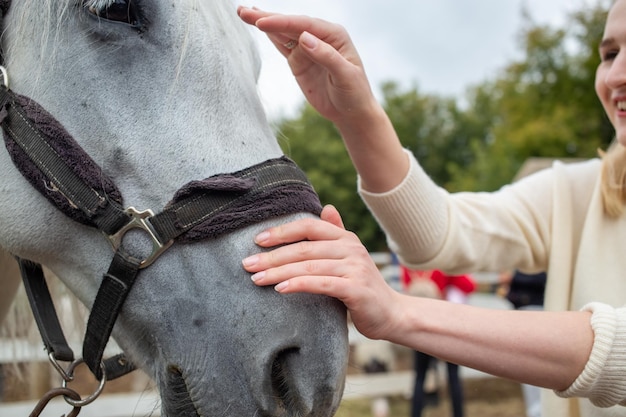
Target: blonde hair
<point x="614" y="180"/>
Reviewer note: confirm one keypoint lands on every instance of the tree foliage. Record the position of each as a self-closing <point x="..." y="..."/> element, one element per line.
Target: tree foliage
<point x="542" y="104"/>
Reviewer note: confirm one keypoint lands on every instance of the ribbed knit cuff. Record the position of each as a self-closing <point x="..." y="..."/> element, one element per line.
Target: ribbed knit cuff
<point x="413" y="215"/>
<point x="602" y="380"/>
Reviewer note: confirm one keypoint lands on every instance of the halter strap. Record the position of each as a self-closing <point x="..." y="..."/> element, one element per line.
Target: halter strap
<point x="44" y="311"/>
<point x="47" y="155"/>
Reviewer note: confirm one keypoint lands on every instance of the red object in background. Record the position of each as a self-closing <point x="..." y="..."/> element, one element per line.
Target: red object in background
<point x="465" y="282"/>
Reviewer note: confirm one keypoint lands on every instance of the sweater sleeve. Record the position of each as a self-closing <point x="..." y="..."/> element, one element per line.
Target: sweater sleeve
<point x="602" y="379"/>
<point x="413" y="215"/>
<point x="430" y="228"/>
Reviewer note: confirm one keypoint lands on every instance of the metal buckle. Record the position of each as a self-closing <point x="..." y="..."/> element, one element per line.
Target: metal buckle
<point x="140" y="220"/>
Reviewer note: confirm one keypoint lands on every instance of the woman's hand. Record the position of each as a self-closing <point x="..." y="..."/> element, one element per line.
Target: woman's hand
<point x="324" y="61"/>
<point x="321" y="257"/>
<point x="329" y="71"/>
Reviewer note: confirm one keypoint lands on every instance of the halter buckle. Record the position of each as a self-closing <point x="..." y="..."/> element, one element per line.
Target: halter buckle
<point x="140" y="220"/>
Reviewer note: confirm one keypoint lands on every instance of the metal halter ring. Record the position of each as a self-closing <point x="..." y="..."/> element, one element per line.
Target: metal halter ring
<point x="92" y="397"/>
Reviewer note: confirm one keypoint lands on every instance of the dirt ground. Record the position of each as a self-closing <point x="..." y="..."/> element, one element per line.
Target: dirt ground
<point x="488" y="397"/>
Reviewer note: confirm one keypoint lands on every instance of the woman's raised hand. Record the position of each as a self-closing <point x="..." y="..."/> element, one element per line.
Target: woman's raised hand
<point x="323" y="60"/>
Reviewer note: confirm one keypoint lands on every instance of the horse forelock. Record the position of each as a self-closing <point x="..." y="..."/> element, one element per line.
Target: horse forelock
<point x="34" y="19"/>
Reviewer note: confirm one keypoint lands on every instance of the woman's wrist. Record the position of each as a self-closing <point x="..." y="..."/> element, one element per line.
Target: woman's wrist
<point x="375" y="149"/>
<point x="403" y="322"/>
<point x="361" y="126"/>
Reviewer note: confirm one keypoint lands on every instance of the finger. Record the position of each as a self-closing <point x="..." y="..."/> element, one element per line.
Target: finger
<point x="302" y="252"/>
<point x="280" y="23"/>
<point x="331" y="215"/>
<point x="251" y="15"/>
<point x="284" y="41"/>
<point x="323" y="285"/>
<point x="290" y="24"/>
<point x="308" y="268"/>
<point x="284" y="28"/>
<point x="340" y="58"/>
<point x="299" y="230"/>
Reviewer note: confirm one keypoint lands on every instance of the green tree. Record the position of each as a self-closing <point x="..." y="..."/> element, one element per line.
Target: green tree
<point x="429" y="126"/>
<point x="541" y="105"/>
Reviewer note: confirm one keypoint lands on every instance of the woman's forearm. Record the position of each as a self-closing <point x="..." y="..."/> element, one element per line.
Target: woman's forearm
<point x="375" y="149"/>
<point x="548" y="349"/>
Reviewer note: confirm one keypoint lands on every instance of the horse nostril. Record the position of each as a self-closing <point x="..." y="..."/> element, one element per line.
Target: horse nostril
<point x="282" y="385"/>
<point x="177" y="393"/>
<point x="175" y="380"/>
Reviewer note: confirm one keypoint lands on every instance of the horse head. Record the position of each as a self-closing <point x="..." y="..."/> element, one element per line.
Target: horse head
<point x="160" y="94"/>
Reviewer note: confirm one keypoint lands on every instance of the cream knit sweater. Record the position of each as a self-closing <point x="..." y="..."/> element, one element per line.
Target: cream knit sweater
<point x="552" y="220"/>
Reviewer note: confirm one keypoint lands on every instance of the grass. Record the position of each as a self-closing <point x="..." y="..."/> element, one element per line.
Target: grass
<point x="488" y="397"/>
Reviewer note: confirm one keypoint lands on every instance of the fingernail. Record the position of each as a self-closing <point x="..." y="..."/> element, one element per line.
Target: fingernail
<point x="281" y="286"/>
<point x="308" y="40"/>
<point x="262" y="237"/>
<point x="250" y="261"/>
<point x="258" y="276"/>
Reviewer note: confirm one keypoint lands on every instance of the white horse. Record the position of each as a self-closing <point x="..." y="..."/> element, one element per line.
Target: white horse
<point x="160" y="93"/>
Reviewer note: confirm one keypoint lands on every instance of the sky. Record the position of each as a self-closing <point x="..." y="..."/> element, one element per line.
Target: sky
<point x="439" y="46"/>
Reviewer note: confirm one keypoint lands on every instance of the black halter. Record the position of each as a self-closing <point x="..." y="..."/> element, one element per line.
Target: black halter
<point x="201" y="209"/>
<point x="47" y="155"/>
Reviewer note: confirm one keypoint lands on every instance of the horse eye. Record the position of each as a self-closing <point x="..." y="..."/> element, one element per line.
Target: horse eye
<point x="122" y="11"/>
